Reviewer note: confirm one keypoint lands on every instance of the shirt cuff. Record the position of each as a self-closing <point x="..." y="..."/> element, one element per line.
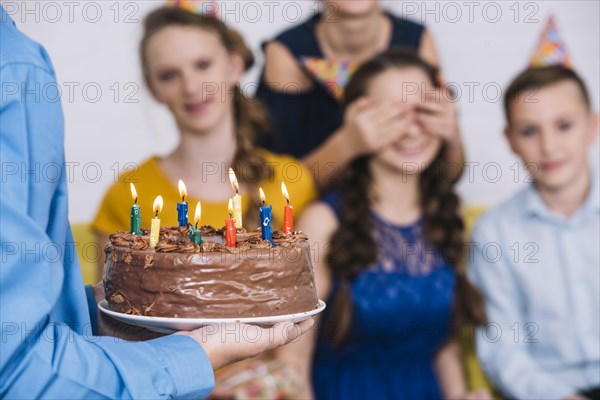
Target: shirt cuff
<point x="92" y="308"/>
<point x="187" y="363"/>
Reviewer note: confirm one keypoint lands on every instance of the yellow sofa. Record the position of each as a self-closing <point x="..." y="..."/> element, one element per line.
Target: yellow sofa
<point x="87" y="251"/>
<point x="476" y="378"/>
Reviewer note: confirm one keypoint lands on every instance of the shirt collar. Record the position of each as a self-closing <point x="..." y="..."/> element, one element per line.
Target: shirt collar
<point x="4" y="17"/>
<point x="535" y="206"/>
<point x="592" y="203"/>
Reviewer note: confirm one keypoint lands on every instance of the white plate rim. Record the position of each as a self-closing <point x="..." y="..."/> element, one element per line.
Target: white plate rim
<point x="172" y="323"/>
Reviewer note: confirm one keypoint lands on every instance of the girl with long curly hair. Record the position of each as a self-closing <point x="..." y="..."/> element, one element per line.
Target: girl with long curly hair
<point x="388" y="255"/>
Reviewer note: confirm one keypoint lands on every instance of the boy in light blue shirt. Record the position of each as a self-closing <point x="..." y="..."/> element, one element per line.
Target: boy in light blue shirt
<point x="536" y="257"/>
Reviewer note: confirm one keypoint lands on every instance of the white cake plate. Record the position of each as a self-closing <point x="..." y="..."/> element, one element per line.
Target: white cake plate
<point x="171" y="325"/>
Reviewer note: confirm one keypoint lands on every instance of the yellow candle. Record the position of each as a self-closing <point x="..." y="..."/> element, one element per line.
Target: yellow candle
<point x="155" y="227"/>
<point x="237" y="199"/>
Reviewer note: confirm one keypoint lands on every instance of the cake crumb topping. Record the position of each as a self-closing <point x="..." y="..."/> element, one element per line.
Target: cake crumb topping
<point x="177" y="240"/>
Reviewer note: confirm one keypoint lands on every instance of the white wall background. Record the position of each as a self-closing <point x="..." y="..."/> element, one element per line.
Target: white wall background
<point x="112" y="121"/>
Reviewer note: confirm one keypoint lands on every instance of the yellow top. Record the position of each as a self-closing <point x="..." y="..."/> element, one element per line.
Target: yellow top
<point x="150" y="181"/>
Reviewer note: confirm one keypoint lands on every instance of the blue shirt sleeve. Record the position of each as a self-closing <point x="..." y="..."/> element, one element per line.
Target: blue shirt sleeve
<point x="48" y="349"/>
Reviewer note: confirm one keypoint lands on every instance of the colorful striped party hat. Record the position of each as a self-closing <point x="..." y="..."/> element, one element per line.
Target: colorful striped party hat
<point x="202" y="7"/>
<point x="551" y="49"/>
<point x="332" y="74"/>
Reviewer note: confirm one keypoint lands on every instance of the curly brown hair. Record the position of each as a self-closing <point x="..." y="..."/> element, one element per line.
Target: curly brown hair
<point x="353" y="247"/>
<point x="250" y="116"/>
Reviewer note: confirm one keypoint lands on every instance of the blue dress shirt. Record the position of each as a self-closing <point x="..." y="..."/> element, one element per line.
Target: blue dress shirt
<point x="540" y="276"/>
<point x="47" y="346"/>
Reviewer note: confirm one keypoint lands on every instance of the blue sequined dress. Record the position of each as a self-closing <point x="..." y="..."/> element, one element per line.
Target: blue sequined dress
<point x="401" y="318"/>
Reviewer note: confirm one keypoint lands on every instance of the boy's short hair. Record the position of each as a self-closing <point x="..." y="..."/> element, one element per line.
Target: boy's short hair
<point x="532" y="79"/>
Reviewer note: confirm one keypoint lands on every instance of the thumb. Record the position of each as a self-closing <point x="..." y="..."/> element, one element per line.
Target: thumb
<point x="297" y="330"/>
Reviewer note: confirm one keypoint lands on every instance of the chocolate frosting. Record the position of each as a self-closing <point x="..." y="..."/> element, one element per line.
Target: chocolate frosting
<point x="181" y="279"/>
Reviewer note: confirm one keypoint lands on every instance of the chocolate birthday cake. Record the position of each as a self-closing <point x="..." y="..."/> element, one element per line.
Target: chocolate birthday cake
<point x="181" y="279"/>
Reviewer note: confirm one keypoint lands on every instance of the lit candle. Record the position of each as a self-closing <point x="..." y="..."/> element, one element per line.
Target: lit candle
<point x="230" y="227"/>
<point x="265" y="219"/>
<point x="237" y="199"/>
<point x="195" y="234"/>
<point x="155" y="227"/>
<point x="288" y="212"/>
<point x="136" y="218"/>
<point x="182" y="208"/>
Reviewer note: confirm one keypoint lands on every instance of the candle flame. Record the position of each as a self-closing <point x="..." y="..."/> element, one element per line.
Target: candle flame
<point x="230" y="208"/>
<point x="285" y="193"/>
<point x="197" y="214"/>
<point x="158" y="205"/>
<point x="182" y="190"/>
<point x="262" y="195"/>
<point x="134" y="195"/>
<point x="233" y="180"/>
